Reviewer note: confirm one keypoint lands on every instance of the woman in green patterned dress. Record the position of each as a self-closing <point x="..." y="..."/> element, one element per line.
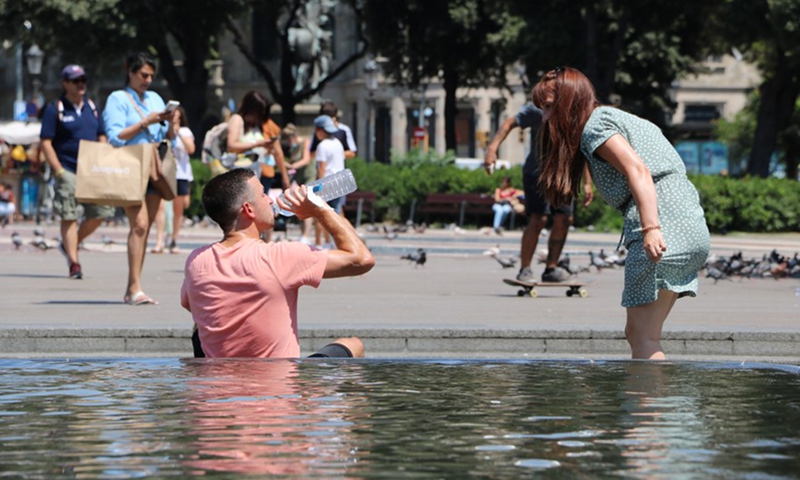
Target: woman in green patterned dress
<point x="638" y="172"/>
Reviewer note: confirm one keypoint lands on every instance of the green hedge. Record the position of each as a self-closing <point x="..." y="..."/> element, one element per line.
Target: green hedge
<point x="750" y="204"/>
<point x="201" y="176"/>
<point x="731" y="204"/>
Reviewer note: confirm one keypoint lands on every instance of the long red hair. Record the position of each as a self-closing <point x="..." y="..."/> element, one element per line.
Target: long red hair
<point x="562" y="162"/>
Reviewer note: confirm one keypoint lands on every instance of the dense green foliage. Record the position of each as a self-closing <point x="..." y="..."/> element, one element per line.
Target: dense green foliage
<point x="749" y="204"/>
<point x="201" y="175"/>
<point x="731" y="204"/>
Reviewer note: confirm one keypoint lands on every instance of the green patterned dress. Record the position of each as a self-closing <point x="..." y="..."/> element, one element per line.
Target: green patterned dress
<point x="680" y="215"/>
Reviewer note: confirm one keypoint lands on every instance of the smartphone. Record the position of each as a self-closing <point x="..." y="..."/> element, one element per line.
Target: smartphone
<point x="171" y="106"/>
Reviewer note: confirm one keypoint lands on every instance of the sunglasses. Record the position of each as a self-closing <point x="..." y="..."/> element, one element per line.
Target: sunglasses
<point x="78" y="80"/>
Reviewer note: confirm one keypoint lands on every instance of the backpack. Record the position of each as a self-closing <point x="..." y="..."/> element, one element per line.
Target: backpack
<point x="60" y="109"/>
<point x="215" y="143"/>
<point x="216" y="155"/>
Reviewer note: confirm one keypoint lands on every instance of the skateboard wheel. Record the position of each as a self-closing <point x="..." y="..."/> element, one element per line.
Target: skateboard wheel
<point x="583" y="293"/>
<point x="534" y="293"/>
<point x="569" y="293"/>
<point x="520" y="293"/>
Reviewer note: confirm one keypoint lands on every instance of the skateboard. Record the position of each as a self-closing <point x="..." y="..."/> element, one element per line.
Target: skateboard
<point x="529" y="288"/>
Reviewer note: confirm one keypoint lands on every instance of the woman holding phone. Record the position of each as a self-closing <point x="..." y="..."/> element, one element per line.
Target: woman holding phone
<point x="136" y="115"/>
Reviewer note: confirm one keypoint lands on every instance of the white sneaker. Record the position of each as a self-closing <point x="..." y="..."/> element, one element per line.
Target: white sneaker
<point x="304" y="240"/>
<point x="526" y="275"/>
<point x="329" y="246"/>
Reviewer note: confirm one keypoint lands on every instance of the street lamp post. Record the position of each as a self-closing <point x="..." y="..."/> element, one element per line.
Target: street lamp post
<point x="35" y="60"/>
<point x="371" y="83"/>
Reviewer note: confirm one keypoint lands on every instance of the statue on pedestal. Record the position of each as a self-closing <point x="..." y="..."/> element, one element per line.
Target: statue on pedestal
<point x="311" y="43"/>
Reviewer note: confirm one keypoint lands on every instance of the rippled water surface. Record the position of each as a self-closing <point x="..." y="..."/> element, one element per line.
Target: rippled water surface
<point x="410" y="419"/>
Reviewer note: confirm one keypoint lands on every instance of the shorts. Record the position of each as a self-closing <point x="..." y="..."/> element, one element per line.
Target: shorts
<point x="183" y="187"/>
<point x="337" y="203"/>
<point x="535" y="203"/>
<point x="331" y="350"/>
<point x="66" y="206"/>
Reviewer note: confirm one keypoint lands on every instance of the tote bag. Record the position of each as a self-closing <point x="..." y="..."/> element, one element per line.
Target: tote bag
<point x="108" y="175"/>
<point x="164" y="171"/>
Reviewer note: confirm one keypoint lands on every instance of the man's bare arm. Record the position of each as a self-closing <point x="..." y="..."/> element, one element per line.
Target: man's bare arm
<point x="491" y="151"/>
<point x="351" y="257"/>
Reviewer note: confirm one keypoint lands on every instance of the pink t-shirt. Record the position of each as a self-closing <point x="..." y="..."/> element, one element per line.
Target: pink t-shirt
<point x="244" y="298"/>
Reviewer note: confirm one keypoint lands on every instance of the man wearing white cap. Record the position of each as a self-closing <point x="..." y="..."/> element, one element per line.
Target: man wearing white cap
<point x="64" y="124"/>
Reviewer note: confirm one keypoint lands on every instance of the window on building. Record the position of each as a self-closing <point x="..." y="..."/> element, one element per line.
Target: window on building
<point x="701" y="113"/>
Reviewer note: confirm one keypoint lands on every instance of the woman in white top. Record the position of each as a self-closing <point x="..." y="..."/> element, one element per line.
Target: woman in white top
<point x="182" y="147"/>
<point x="246" y="136"/>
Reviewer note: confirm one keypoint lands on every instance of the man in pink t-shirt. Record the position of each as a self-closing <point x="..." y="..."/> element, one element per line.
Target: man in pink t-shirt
<point x="242" y="292"/>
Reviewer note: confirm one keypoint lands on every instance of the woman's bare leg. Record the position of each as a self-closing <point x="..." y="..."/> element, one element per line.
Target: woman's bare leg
<point x="140" y="217"/>
<point x="643" y="329"/>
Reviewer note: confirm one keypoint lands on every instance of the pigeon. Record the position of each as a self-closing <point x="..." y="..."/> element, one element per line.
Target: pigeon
<point x="16" y="239"/>
<point x="505" y="262"/>
<point x="418" y="258"/>
<point x="41" y="243"/>
<point x="597" y="262"/>
<point x="388" y="234"/>
<point x="614" y="259"/>
<point x="716" y="274"/>
<point x="565" y="264"/>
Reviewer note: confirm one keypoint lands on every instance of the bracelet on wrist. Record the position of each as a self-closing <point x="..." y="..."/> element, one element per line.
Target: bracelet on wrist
<point x="59" y="173"/>
<point x="650" y="228"/>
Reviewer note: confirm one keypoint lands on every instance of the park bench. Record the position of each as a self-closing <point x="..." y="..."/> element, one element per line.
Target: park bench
<point x="361" y="203"/>
<point x="478" y="204"/>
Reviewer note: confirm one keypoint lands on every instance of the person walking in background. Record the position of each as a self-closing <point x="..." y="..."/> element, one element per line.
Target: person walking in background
<point x="136" y="115"/>
<point x="344" y="134"/>
<point x="243" y="293"/>
<point x="272" y="130"/>
<point x="503" y="196"/>
<point x="73" y="118"/>
<point x="295" y="150"/>
<point x="536" y="207"/>
<point x="329" y="158"/>
<point x="639" y="173"/>
<point x="182" y="147"/>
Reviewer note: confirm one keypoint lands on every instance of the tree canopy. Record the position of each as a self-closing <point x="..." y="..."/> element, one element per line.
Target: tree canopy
<point x="462" y="42"/>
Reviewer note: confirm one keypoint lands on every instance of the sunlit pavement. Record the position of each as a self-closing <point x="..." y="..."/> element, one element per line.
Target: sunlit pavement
<point x="454" y="306"/>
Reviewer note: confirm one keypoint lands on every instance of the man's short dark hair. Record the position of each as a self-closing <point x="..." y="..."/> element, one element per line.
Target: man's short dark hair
<point x="329" y="108"/>
<point x="224" y="194"/>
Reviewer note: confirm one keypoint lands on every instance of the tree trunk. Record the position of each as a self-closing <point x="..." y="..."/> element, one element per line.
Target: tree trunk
<point x="590" y="21"/>
<point x="791" y="145"/>
<point x="778" y="97"/>
<point x="450" y="108"/>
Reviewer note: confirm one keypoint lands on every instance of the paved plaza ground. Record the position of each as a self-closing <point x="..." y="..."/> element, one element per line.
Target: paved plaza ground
<point x="455" y="306"/>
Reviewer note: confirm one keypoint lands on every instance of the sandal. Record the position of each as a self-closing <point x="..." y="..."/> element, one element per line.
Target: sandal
<point x="139" y="298"/>
<point x="157" y="250"/>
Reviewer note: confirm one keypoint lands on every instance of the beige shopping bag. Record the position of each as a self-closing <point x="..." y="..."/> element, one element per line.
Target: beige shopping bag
<point x="109" y="175"/>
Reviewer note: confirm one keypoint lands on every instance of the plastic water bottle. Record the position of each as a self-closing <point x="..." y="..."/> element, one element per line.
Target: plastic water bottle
<point x="333" y="186"/>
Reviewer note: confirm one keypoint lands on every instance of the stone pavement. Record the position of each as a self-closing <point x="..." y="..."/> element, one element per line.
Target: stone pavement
<point x="455" y="306"/>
